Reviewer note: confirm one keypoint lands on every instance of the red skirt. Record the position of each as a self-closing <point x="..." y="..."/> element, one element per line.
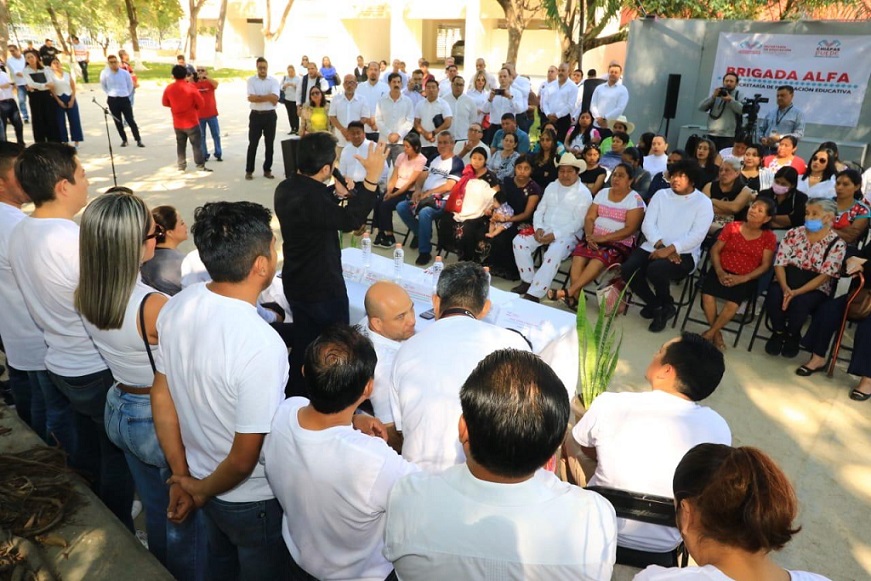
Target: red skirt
<point x="607" y="254"/>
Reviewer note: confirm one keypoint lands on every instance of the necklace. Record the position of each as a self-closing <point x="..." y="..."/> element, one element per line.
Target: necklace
<point x="457" y="311"/>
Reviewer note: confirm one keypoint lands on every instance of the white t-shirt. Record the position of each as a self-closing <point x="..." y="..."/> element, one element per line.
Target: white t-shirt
<point x="22" y="339"/>
<point x="226" y="369"/>
<point x="10" y="92"/>
<point x="453" y="526"/>
<point x="640" y="438"/>
<point x="428" y="372"/>
<point x="655" y="163"/>
<point x="44" y="254"/>
<point x="333" y="485"/>
<point x="439" y="170"/>
<point x="386" y="350"/>
<point x="708" y="573"/>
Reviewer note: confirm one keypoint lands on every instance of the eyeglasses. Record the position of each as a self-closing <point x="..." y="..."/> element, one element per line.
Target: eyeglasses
<point x="158" y="231"/>
<point x="820" y="159"/>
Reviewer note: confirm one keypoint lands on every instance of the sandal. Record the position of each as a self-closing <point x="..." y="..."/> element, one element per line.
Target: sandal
<point x="857" y="395"/>
<point x="555" y="294"/>
<point x="571" y="303"/>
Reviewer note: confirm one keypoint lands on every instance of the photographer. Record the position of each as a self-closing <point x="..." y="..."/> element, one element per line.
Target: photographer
<point x="724" y="109"/>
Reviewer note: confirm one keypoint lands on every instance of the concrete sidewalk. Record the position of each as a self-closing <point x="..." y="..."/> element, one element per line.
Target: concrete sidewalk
<point x="818" y="435"/>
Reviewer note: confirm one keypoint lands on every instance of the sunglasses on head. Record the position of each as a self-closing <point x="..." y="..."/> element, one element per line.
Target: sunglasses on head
<point x="158" y="231"/>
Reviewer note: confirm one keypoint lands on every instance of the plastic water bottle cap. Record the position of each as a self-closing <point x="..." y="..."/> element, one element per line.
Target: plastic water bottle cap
<point x="399" y="244"/>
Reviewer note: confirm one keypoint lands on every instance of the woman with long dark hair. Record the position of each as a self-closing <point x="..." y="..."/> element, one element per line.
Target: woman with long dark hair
<point x="818" y="180"/>
<point x="64" y="92"/>
<point x="43" y="107"/>
<point x="163" y="271"/>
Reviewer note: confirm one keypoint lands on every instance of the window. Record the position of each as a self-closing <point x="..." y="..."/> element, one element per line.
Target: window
<point x="445" y="39"/>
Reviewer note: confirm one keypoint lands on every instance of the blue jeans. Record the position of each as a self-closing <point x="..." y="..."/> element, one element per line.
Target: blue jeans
<point x="245" y="540"/>
<point x="215" y="130"/>
<point x="181" y="548"/>
<point x="421" y="226"/>
<point x="94" y="453"/>
<point x="22" y="102"/>
<point x="29" y="403"/>
<point x="58" y="413"/>
<point x="71" y="115"/>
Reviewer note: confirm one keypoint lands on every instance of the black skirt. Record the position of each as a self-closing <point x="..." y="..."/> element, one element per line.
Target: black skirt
<point x="734" y="294"/>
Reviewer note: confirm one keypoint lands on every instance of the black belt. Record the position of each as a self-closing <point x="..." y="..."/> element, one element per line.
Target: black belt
<point x="258" y="112"/>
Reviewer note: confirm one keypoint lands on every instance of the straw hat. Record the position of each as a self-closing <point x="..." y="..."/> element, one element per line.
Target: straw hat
<point x="570" y="159"/>
<point x="630" y="126"/>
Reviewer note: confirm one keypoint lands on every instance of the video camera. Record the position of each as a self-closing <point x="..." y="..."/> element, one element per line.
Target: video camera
<point x="751" y="105"/>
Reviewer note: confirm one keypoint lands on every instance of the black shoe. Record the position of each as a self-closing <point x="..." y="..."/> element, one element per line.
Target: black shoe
<point x="208" y="157"/>
<point x="203" y="168"/>
<point x="648" y="311"/>
<point x="123" y="144"/>
<point x="414" y="243"/>
<point x="791" y="346"/>
<point x="774" y="346"/>
<point x="390" y="241"/>
<point x="379" y="240"/>
<point x="423" y="259"/>
<point x="521" y="288"/>
<point x="661" y="317"/>
<point x="218" y="158"/>
<point x="140" y="144"/>
<point x="27" y="121"/>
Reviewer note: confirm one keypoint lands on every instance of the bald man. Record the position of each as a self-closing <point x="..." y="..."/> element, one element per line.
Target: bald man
<point x="389" y="321"/>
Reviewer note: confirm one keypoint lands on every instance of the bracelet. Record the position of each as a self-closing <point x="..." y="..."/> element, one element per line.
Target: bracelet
<point x="366" y="181"/>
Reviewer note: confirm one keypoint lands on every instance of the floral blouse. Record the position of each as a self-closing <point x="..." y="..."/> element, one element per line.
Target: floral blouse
<point x="795" y="249"/>
<point x="856" y="211"/>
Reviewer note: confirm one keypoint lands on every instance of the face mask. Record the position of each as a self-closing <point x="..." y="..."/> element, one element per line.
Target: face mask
<point x="813" y="225"/>
<point x="779" y="189"/>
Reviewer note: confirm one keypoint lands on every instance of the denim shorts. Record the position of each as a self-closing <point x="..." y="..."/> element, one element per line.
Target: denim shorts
<point x="130" y="426"/>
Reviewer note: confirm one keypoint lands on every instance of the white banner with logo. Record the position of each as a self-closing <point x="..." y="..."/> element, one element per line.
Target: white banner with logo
<point x="829" y="73"/>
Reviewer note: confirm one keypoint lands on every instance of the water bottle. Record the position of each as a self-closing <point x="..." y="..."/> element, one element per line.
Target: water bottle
<point x="366" y="248"/>
<point x="398" y="262"/>
<point x="436" y="270"/>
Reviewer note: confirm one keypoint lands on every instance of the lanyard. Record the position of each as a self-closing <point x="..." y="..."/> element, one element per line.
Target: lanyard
<point x="779" y="117"/>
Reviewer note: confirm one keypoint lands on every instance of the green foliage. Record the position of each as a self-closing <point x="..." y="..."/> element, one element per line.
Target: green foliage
<point x="598" y="349"/>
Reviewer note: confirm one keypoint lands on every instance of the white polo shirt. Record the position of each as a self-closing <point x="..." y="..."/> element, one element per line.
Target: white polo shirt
<point x="346" y="110"/>
<point x="22" y="339"/>
<point x="372" y="94"/>
<point x="44" y="255"/>
<point x="640" y="438"/>
<point x="333" y="485"/>
<point x="465" y="113"/>
<point x="263" y="87"/>
<point x="426" y="111"/>
<point x="353" y="169"/>
<point x="226" y="369"/>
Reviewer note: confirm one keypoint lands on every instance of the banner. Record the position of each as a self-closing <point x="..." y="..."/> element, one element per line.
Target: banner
<point x="829" y="73"/>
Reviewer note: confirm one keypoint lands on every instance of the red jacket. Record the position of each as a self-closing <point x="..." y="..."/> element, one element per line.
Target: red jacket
<point x="184" y="100"/>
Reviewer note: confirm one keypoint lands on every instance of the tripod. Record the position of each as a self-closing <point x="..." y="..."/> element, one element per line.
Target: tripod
<point x="106" y="115"/>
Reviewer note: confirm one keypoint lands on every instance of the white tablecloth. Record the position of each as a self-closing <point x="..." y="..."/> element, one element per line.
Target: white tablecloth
<point x="538" y="323"/>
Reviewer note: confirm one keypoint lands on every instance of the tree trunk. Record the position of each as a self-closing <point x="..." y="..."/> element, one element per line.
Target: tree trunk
<point x="133" y="23"/>
<point x="4" y="25"/>
<point x="267" y="31"/>
<point x="514" y="35"/>
<point x="219" y="35"/>
<point x="57" y="29"/>
<point x="195" y="6"/>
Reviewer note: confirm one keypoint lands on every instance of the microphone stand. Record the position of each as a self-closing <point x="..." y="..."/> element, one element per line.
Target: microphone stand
<point x="106" y="115"/>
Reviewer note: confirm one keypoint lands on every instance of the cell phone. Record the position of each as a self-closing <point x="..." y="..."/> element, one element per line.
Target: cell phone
<point x="337" y="175"/>
<point x="427" y="315"/>
<point x="499" y="91"/>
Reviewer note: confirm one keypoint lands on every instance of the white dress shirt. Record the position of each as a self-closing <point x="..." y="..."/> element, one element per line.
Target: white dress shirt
<point x="263" y="87"/>
<point x="679" y="220"/>
<point x="426" y="110"/>
<point x="372" y="94"/>
<point x="465" y="113"/>
<point x="116" y="83"/>
<point x="15" y="66"/>
<point x="561" y="99"/>
<point x="346" y="110"/>
<point x="609" y="101"/>
<point x="394" y="117"/>
<point x="501" y="105"/>
<point x="562" y="209"/>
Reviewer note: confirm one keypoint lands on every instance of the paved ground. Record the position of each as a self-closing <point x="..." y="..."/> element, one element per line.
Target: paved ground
<point x="819" y="436"/>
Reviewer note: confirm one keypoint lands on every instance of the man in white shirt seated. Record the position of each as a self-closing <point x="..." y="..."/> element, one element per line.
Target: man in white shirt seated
<point x="657" y="160"/>
<point x="675" y="225"/>
<point x="431" y="366"/>
<point x="558" y="222"/>
<point x="345" y="108"/>
<point x="349" y="166"/>
<point x="499" y="515"/>
<point x="389" y="322"/>
<point x="221" y="374"/>
<point x="333" y="481"/>
<point x="638" y="439"/>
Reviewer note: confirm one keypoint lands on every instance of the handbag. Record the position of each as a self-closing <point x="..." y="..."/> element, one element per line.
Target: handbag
<point x="798" y="277"/>
<point x="860" y="308"/>
<point x="611" y="293"/>
<point x="144" y="334"/>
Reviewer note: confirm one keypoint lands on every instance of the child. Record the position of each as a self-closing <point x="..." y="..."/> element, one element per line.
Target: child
<point x="499" y="209"/>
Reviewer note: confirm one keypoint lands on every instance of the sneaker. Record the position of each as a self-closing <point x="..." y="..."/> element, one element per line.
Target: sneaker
<point x="379" y="239"/>
<point x="791" y="346"/>
<point x="423" y="259"/>
<point x="414" y="243"/>
<point x="203" y="168"/>
<point x="521" y="288"/>
<point x="136" y="509"/>
<point x="774" y="346"/>
<point x="142" y="537"/>
<point x="140" y="144"/>
<point x="648" y="311"/>
<point x="249" y="176"/>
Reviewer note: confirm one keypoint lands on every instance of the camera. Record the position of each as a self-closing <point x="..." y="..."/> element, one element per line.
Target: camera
<point x="722" y="92"/>
<point x="499" y="91"/>
<point x="751" y="105"/>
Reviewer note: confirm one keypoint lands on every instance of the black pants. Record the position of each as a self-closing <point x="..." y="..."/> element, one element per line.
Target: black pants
<point x="43" y="116"/>
<point x="383" y="212"/>
<point x="309" y="320"/>
<point x="292" y="115"/>
<point x="658" y="273"/>
<point x="84" y="66"/>
<point x="260" y="123"/>
<point x="192" y="135"/>
<point x="563" y="124"/>
<point x="793" y="318"/>
<point x="11" y="116"/>
<point x="122" y="110"/>
<point x="430" y="152"/>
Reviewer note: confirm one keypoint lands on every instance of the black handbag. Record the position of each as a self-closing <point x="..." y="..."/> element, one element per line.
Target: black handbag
<point x="798" y="277"/>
